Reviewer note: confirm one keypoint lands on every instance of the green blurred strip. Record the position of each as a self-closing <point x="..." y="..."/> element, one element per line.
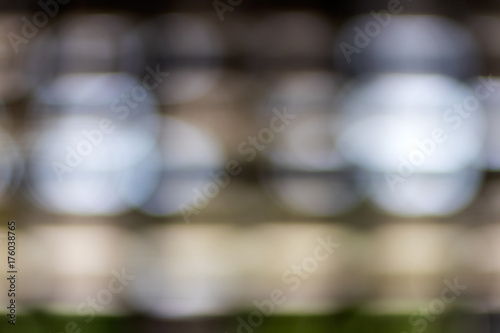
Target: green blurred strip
<point x="345" y="322"/>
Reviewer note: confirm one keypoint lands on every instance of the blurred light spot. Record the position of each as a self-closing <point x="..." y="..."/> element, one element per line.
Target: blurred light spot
<point x="303" y="91"/>
<point x="492" y="114"/>
<point x="417" y="44"/>
<point x="306" y="142"/>
<point x="190" y="49"/>
<point x="188" y="158"/>
<point x="190" y="271"/>
<point x="307" y="173"/>
<point x="79" y="166"/>
<point x="390" y="119"/>
<point x="385" y="115"/>
<point x="86" y="43"/>
<point x="73" y="264"/>
<point x="427" y="193"/>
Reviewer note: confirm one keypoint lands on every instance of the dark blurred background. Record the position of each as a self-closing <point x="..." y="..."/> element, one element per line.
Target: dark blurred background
<point x="174" y="166"/>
